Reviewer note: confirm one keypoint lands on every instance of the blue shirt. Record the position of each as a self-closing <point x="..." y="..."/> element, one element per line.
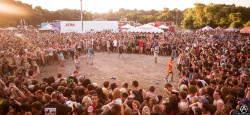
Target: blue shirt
<point x="90" y="52"/>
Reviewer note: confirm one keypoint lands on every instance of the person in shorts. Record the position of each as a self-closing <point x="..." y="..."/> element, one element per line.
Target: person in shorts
<point x="170" y="69"/>
<point x="77" y="63"/>
<point x="120" y="49"/>
<point x="90" y="55"/>
<point x="156" y="51"/>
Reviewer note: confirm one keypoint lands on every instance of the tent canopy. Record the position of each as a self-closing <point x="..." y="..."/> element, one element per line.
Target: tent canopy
<point x="49" y="27"/>
<point x="231" y="29"/>
<point x="188" y="31"/>
<point x="1" y="29"/>
<point x="11" y="28"/>
<point x="146" y="29"/>
<point x="245" y="30"/>
<point x="219" y="28"/>
<point x="127" y="26"/>
<point x="207" y="28"/>
<point x="163" y="27"/>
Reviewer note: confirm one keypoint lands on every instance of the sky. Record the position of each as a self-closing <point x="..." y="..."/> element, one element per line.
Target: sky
<point x="103" y="6"/>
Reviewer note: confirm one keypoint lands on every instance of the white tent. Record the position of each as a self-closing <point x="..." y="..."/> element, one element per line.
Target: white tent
<point x="163" y="27"/>
<point x="146" y="29"/>
<point x="11" y="28"/>
<point x="207" y="28"/>
<point x="1" y="29"/>
<point x="47" y="27"/>
<point x="231" y="29"/>
<point x="127" y="26"/>
<point x="188" y="31"/>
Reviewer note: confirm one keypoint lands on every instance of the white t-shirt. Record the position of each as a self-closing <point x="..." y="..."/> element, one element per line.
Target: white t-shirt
<point x="115" y="43"/>
<point x="51" y="51"/>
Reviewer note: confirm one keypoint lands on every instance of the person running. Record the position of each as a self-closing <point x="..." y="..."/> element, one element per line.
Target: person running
<point x="90" y="55"/>
<point x="170" y="71"/>
<point x="120" y="49"/>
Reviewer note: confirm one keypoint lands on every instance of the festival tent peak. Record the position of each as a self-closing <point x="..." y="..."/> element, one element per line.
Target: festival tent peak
<point x="245" y="30"/>
<point x="231" y="29"/>
<point x="127" y="26"/>
<point x="207" y="28"/>
<point x="11" y="28"/>
<point x="163" y="27"/>
<point x="146" y="29"/>
<point x="219" y="28"/>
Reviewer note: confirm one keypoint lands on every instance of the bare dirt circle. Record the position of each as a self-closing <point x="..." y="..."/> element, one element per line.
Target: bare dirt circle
<point x="131" y="67"/>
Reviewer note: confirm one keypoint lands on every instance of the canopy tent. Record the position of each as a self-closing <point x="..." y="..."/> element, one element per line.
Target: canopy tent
<point x="11" y="28"/>
<point x="207" y="28"/>
<point x="120" y="26"/>
<point x="188" y="31"/>
<point x="231" y="29"/>
<point x="146" y="29"/>
<point x="245" y="30"/>
<point x="219" y="28"/>
<point x="127" y="26"/>
<point x="47" y="27"/>
<point x="163" y="27"/>
<point x="1" y="29"/>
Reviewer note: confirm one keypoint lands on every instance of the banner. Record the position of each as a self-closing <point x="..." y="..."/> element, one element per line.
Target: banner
<point x="76" y="26"/>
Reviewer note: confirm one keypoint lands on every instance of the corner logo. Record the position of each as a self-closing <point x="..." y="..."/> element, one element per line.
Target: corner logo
<point x="243" y="109"/>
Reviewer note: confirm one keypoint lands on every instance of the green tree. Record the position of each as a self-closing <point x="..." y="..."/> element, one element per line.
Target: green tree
<point x="236" y="24"/>
<point x="247" y="24"/>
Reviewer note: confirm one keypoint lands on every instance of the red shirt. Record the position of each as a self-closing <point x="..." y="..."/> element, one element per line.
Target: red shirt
<point x="140" y="43"/>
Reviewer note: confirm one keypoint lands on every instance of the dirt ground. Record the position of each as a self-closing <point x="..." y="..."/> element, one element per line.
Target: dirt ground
<point x="131" y="67"/>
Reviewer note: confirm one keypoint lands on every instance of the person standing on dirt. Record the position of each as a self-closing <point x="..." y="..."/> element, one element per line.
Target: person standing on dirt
<point x="170" y="69"/>
<point x="90" y="55"/>
<point x="77" y="63"/>
<point x="156" y="51"/>
<point x="120" y="49"/>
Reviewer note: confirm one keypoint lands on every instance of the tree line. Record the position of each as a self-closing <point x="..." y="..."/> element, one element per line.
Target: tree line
<point x="191" y="18"/>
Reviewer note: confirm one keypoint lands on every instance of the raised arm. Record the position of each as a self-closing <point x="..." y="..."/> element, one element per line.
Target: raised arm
<point x="37" y="73"/>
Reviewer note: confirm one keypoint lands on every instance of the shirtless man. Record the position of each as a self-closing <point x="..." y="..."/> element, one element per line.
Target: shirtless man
<point x="25" y="62"/>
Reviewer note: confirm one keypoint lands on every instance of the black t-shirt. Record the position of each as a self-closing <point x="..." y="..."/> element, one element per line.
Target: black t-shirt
<point x="108" y="112"/>
<point x="72" y="79"/>
<point x="174" y="47"/>
<point x="138" y="95"/>
<point x="99" y="105"/>
<point x="54" y="108"/>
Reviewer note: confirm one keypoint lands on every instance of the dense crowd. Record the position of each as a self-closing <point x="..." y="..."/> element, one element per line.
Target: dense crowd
<point x="213" y="66"/>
